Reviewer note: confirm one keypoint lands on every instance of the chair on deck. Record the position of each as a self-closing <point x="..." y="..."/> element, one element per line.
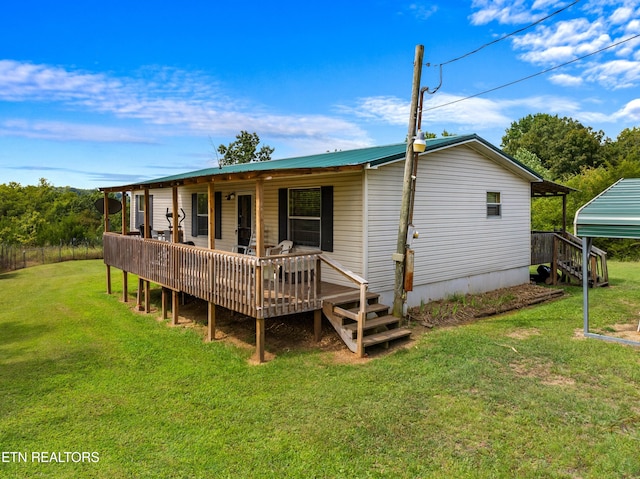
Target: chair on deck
<point x="284" y="247"/>
<point x="273" y="271"/>
<point x="249" y="249"/>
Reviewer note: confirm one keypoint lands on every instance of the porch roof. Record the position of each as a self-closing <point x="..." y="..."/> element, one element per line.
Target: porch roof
<point x="330" y="161"/>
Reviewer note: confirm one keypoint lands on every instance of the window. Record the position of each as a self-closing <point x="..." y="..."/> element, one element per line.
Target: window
<point x="139" y="209"/>
<point x="200" y="214"/>
<point x="305" y="216"/>
<point x="494" y="207"/>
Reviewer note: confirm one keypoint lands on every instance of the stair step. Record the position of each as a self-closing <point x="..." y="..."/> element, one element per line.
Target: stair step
<point x="347" y="298"/>
<point x="373" y="308"/>
<point x="371" y="323"/>
<point x="385" y="336"/>
<point x="352" y="313"/>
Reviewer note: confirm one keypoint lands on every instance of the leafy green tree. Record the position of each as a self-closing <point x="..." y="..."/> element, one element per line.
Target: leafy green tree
<point x="244" y="150"/>
<point x="531" y="161"/>
<point x="563" y="145"/>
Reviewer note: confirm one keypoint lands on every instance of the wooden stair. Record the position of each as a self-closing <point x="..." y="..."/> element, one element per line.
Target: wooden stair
<point x="379" y="326"/>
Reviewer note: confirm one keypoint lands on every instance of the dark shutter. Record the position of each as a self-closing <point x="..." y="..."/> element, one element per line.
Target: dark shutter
<point x="283" y="213"/>
<point x="194" y="214"/>
<point x="218" y="214"/>
<point x="326" y="219"/>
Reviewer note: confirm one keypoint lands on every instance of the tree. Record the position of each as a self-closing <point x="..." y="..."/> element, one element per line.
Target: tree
<point x="563" y="145"/>
<point x="531" y="161"/>
<point x="244" y="150"/>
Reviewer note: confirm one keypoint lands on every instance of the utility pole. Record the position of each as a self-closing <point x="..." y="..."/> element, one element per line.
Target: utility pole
<point x="405" y="208"/>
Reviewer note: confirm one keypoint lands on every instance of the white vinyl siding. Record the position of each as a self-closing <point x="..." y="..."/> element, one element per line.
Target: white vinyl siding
<point x="347" y="217"/>
<point x="457" y="240"/>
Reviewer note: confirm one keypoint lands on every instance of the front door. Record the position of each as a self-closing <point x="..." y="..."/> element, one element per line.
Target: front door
<point x="244" y="219"/>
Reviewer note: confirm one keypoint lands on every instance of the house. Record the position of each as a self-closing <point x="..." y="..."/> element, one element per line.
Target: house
<point x="341" y="210"/>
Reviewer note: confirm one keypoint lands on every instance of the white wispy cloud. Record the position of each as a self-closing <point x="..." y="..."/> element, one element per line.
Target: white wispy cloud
<point x="593" y="25"/>
<point x="57" y="130"/>
<point x="566" y="80"/>
<point x="178" y="102"/>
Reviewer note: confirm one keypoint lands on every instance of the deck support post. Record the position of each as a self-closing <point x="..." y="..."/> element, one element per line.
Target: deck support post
<point x="260" y="339"/>
<point x="125" y="287"/>
<point x="108" y="279"/>
<point x="317" y="325"/>
<point x="174" y="307"/>
<point x="211" y="321"/>
<point x="165" y="295"/>
<point x="147" y="296"/>
<point x="139" y="296"/>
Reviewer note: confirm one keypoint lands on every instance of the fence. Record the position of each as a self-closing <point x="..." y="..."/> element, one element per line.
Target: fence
<point x="14" y="257"/>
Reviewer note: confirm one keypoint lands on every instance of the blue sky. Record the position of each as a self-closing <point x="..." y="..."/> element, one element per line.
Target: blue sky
<point x="98" y="93"/>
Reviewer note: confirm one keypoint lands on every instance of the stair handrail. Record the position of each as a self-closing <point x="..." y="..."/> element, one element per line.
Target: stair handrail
<point x="595" y="255"/>
<point x="363" y="284"/>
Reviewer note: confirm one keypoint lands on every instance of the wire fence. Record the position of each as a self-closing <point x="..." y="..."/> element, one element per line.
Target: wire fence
<point x="14" y="257"/>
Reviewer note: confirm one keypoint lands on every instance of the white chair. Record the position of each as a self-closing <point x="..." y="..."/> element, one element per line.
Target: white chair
<point x="247" y="249"/>
<point x="284" y="247"/>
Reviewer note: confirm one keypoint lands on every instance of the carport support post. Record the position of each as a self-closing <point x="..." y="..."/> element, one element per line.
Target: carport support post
<point x="586" y="253"/>
<point x="405" y="207"/>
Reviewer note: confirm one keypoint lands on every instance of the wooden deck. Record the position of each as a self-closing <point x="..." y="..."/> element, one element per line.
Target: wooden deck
<point x="259" y="287"/>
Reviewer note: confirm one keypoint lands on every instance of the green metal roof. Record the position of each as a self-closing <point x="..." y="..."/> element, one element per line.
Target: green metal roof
<point x="614" y="213"/>
<point x="372" y="156"/>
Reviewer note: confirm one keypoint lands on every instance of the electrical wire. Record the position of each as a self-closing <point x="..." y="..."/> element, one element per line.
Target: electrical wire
<point x="520" y="30"/>
<point x="535" y="74"/>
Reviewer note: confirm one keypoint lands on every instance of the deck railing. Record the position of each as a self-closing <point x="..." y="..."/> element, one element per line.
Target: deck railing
<point x="258" y="287"/>
<point x="564" y="251"/>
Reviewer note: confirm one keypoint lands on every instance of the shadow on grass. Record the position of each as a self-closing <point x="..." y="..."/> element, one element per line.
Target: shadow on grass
<point x="14" y="331"/>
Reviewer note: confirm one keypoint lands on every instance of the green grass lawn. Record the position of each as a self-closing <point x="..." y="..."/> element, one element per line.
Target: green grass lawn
<point x="514" y="396"/>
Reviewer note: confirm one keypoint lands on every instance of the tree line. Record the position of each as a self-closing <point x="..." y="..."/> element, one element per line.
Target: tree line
<point x="566" y="152"/>
<point x="44" y="215"/>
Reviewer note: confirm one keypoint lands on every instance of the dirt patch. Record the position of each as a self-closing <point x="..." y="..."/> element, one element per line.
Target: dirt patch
<point x="460" y="308"/>
<point x="295" y="333"/>
<point x="541" y="371"/>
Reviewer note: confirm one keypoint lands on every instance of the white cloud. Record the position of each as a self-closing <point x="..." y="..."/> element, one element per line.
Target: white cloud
<point x="630" y="112"/>
<point x="422" y="12"/>
<point x="616" y="74"/>
<point x="562" y="42"/>
<point x="566" y="80"/>
<point x="175" y="101"/>
<point x="56" y="130"/>
<point x="506" y="12"/>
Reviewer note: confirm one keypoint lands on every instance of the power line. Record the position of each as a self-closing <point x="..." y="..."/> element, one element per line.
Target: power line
<point x="509" y="34"/>
<point x="535" y="74"/>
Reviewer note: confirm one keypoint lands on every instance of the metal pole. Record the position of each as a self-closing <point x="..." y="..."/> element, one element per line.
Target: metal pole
<point x="405" y="207"/>
<point x="586" y="251"/>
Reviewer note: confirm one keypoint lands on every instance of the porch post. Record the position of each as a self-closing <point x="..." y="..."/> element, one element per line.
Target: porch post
<point x="125" y="278"/>
<point x="139" y="296"/>
<point x="260" y="339"/>
<point x="211" y="322"/>
<point x="174" y="307"/>
<point x="164" y="302"/>
<point x="211" y="215"/>
<point x="175" y="236"/>
<point x="259" y="217"/>
<point x="106" y="230"/>
<point x="147" y="296"/>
